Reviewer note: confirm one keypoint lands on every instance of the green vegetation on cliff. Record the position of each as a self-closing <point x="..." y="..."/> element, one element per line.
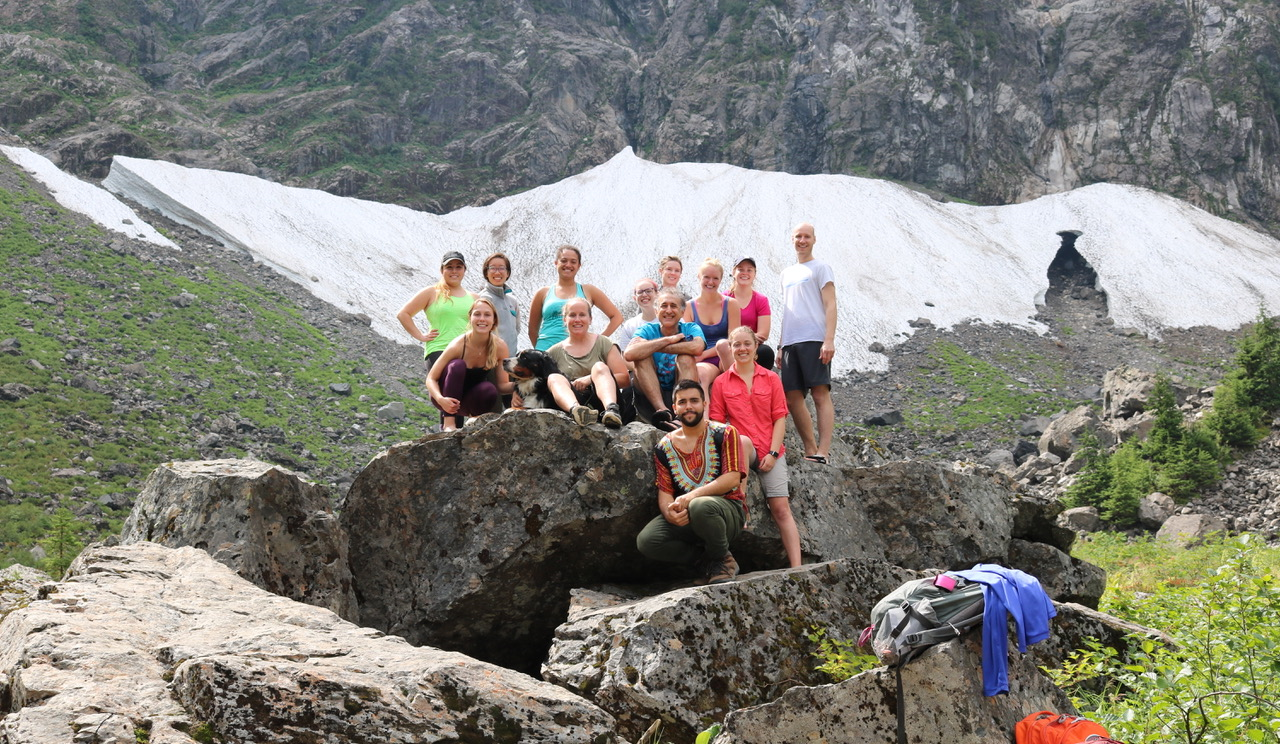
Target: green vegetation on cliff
<point x="128" y="359"/>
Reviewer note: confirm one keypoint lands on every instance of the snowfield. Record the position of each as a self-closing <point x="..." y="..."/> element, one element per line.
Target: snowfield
<point x="898" y="255"/>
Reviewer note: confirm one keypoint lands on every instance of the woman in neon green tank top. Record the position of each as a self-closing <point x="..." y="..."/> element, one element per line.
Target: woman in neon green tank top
<point x="446" y="306"/>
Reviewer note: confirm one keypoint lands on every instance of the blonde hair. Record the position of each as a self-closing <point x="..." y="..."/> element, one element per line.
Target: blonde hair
<point x="564" y="310"/>
<point x="443" y="290"/>
<point x="713" y="263"/>
<point x="491" y="348"/>
<point x="663" y="262"/>
<point x="742" y="329"/>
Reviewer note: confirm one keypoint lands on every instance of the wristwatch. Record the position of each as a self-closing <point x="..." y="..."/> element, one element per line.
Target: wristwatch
<point x="774" y="454"/>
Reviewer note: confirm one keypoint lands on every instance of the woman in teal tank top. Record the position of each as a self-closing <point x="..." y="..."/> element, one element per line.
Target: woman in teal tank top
<point x="446" y="306"/>
<point x="546" y="324"/>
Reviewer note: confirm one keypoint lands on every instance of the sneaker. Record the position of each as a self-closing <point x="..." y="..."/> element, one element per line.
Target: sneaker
<point x="584" y="415"/>
<point x="612" y="417"/>
<point x="725" y="572"/>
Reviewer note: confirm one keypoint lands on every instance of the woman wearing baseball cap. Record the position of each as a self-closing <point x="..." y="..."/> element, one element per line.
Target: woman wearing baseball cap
<point x="756" y="314"/>
<point x="446" y="305"/>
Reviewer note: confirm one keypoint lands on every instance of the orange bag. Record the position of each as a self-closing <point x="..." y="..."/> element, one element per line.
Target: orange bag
<point x="1047" y="727"/>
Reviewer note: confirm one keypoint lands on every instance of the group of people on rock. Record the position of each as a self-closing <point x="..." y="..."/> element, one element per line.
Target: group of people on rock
<point x="697" y="367"/>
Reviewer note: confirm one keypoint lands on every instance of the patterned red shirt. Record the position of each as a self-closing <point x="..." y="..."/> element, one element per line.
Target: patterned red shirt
<point x="679" y="473"/>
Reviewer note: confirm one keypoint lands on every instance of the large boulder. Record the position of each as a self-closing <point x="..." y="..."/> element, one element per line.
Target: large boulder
<point x="269" y="524"/>
<point x="929" y="515"/>
<point x="1188" y="530"/>
<point x="1064" y="578"/>
<point x="943" y="701"/>
<point x="471" y="540"/>
<point x="1125" y="391"/>
<point x="1063" y="435"/>
<point x="692" y="655"/>
<point x="144" y="642"/>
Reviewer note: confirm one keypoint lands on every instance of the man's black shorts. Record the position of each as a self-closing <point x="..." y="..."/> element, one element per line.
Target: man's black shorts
<point x="802" y="367"/>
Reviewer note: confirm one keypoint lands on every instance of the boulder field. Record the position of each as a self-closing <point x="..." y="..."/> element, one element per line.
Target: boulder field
<point x="500" y="597"/>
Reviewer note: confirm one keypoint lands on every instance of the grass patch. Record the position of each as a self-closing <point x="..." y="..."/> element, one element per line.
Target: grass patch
<point x="1144" y="564"/>
<point x="990" y="393"/>
<point x="132" y="359"/>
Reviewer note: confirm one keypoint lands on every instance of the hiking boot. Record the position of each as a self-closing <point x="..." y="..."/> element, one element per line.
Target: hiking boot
<point x="726" y="571"/>
<point x="584" y="415"/>
<point x="612" y="417"/>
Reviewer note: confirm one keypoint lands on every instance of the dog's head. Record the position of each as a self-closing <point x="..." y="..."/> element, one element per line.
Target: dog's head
<point x="530" y="364"/>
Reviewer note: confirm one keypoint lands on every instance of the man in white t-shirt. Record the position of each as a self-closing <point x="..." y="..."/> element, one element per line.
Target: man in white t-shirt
<point x="809" y="342"/>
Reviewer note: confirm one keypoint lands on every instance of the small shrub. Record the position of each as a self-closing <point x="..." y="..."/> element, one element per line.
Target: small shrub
<point x="1220" y="683"/>
<point x="840" y="658"/>
<point x="1091" y="486"/>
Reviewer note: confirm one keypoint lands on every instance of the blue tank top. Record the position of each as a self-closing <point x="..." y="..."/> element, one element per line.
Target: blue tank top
<point x="552" y="330"/>
<point x="714" y="333"/>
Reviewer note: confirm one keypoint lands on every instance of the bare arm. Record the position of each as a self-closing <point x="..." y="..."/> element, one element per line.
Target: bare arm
<point x="504" y="383"/>
<point x="764" y="324"/>
<point x="766" y="460"/>
<point x="610" y="310"/>
<point x="829" y="305"/>
<point x="618" y="368"/>
<point x="643" y="348"/>
<point x="411" y="308"/>
<point x="735" y="312"/>
<point x="451" y="352"/>
<point x="535" y="315"/>
<point x="727" y="482"/>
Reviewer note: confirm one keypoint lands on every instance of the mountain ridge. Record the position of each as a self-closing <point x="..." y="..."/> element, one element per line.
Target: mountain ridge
<point x="435" y="106"/>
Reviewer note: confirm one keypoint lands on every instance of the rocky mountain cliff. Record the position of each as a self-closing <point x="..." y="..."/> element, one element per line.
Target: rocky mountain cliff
<point x="436" y="105"/>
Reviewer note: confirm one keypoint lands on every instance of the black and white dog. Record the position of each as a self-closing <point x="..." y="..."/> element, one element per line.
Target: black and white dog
<point x="529" y="369"/>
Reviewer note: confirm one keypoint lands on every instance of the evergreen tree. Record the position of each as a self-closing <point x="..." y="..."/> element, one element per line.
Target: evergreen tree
<point x="1132" y="479"/>
<point x="1094" y="479"/>
<point x="61" y="544"/>
<point x="1232" y="419"/>
<point x="1166" y="437"/>
<point x="1259" y="363"/>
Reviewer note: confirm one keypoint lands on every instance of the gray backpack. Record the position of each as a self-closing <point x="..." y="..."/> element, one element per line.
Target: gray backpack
<point x="921" y="613"/>
<point x="917" y="615"/>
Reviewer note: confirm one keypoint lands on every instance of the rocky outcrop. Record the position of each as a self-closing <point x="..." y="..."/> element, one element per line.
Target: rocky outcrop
<point x="454" y="535"/>
<point x="440" y="106"/>
<point x="690" y="655"/>
<point x="943" y="698"/>
<point x="144" y="642"/>
<point x="269" y="524"/>
<point x="18" y="585"/>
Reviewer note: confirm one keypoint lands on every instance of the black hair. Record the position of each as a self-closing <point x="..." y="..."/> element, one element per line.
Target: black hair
<point x="689" y="385"/>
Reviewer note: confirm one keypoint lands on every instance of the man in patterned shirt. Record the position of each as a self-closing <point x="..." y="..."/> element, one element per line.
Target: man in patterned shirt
<point x="700" y="474"/>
